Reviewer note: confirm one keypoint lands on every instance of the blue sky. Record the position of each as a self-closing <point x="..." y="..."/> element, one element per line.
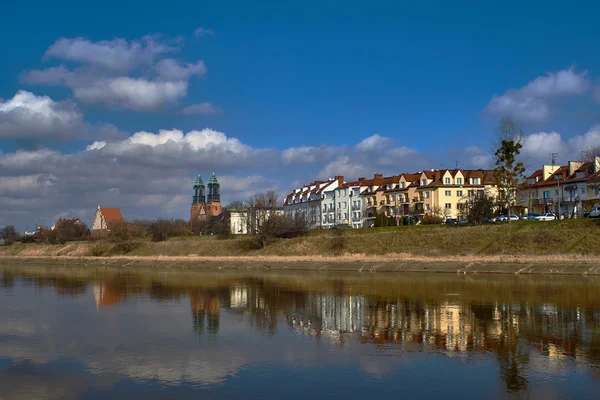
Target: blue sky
<point x="296" y="85"/>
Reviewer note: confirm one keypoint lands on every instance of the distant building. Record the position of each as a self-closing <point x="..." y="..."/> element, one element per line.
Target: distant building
<point x="105" y="218"/>
<point x="204" y="204"/>
<point x="315" y="202"/>
<point x="248" y="220"/>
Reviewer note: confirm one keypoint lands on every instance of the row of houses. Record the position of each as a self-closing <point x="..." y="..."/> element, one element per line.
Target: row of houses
<point x="565" y="190"/>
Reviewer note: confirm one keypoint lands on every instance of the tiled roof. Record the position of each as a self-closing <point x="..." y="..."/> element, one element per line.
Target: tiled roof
<point x="551" y="181"/>
<point x="111" y="216"/>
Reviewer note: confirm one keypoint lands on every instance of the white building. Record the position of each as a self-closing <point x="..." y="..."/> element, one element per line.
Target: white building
<point x="246" y="221"/>
<point x="315" y="202"/>
<point x="349" y="204"/>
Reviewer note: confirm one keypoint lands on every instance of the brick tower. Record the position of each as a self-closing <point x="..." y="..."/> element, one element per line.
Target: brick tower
<point x="204" y="206"/>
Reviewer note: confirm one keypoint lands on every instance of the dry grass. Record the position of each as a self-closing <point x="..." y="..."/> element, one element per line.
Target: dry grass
<point x="535" y="242"/>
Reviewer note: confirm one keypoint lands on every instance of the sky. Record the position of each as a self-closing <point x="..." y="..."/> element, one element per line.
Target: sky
<point x="122" y="103"/>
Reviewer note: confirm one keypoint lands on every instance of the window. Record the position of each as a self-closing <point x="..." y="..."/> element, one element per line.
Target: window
<point x="459" y="193"/>
<point x="426" y="195"/>
<point x="400" y="197"/>
<point x="557" y="177"/>
<point x="475" y="181"/>
<point x="556" y="192"/>
<point x="597" y="190"/>
<point x="522" y="196"/>
<point x="531" y="181"/>
<point x="448" y="206"/>
<point x="402" y="185"/>
<point x="447" y="181"/>
<point x="459" y="181"/>
<point x="533" y="195"/>
<point x="460" y="206"/>
<point x="546" y="194"/>
<point x="427" y="207"/>
<point x="580" y="174"/>
<point x="448" y="193"/>
<point x="424" y="182"/>
<point x="583" y="190"/>
<point x="471" y="193"/>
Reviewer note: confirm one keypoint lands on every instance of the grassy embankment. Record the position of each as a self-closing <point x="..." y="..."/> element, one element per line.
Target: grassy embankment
<point x="526" y="241"/>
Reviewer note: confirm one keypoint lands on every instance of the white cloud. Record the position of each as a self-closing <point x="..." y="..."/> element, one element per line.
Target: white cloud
<point x="588" y="140"/>
<point x="531" y="102"/>
<point x="345" y="167"/>
<point x="133" y="93"/>
<point x="117" y="54"/>
<point x="203" y="32"/>
<point x="202" y="109"/>
<point x="29" y="116"/>
<point x="119" y="73"/>
<point x="172" y="70"/>
<point x="308" y="154"/>
<point x="95" y="146"/>
<point x="374" y="142"/>
<point x="540" y="146"/>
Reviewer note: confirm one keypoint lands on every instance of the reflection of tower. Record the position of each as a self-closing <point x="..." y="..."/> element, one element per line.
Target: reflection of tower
<point x="105" y="295"/>
<point x="214" y="316"/>
<point x="197" y="304"/>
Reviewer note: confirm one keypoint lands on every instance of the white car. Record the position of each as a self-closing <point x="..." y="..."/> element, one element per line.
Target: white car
<point x="595" y="213"/>
<point x="546" y="217"/>
<point x="504" y="218"/>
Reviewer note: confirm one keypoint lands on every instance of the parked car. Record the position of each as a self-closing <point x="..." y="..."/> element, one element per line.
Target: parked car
<point x="464" y="221"/>
<point x="450" y="221"/>
<point x="595" y="213"/>
<point x="504" y="218"/>
<point x="546" y="217"/>
<point x="530" y="217"/>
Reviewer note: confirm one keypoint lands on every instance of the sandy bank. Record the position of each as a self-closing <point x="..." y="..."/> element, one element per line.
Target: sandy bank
<point x="551" y="264"/>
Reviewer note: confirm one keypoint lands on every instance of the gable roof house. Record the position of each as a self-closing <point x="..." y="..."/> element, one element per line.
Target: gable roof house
<point x="105" y="218"/>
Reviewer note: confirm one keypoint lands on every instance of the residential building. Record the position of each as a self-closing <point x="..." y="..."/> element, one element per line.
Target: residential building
<point x="350" y="207"/>
<point x="105" y="218"/>
<point x="581" y="189"/>
<point x="446" y="192"/>
<point x="371" y="198"/>
<point x="562" y="190"/>
<point x="315" y="202"/>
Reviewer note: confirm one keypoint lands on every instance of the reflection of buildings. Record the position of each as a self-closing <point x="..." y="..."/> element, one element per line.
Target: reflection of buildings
<point x="106" y="295"/>
<point x="206" y="313"/>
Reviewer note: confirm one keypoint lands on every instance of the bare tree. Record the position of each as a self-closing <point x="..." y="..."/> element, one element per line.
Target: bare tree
<point x="266" y="220"/>
<point x="479" y="206"/>
<point x="236" y="205"/>
<point x="589" y="154"/>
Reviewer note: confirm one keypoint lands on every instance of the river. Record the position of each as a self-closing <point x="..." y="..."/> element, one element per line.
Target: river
<point x="69" y="332"/>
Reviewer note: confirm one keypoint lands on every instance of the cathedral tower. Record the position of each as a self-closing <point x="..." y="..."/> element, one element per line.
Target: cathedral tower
<point x="206" y="205"/>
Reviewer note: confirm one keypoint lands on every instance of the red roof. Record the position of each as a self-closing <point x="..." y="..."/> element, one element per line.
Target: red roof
<point x="111" y="216"/>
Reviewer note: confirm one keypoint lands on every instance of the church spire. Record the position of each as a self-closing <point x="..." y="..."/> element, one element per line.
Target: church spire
<point x="198" y="191"/>
<point x="214" y="195"/>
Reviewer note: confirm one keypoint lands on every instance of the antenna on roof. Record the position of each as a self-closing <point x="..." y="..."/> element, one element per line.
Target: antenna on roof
<point x="553" y="158"/>
<point x="456" y="164"/>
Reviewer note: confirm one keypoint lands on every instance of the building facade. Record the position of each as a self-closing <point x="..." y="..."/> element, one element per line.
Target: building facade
<point x="315" y="202"/>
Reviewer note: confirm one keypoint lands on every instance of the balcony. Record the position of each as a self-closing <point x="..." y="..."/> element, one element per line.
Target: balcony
<point x="418" y="200"/>
<point x="545" y="201"/>
<point x="356" y="207"/>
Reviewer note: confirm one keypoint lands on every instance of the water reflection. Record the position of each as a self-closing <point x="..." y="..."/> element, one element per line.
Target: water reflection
<point x="532" y="329"/>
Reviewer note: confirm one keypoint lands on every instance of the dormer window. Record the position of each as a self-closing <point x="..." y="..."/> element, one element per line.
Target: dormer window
<point x="475" y="181"/>
<point x="557" y="177"/>
<point x="580" y="174"/>
<point x="424" y="182"/>
<point x="531" y="181"/>
<point x="459" y="181"/>
<point x="402" y="185"/>
<point x="447" y="181"/>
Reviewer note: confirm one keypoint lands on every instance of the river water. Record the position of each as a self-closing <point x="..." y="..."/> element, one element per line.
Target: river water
<point x="91" y="333"/>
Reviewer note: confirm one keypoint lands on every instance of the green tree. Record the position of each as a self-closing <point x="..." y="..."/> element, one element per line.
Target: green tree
<point x="509" y="169"/>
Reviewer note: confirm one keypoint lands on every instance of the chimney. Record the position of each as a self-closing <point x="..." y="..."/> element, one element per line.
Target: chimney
<point x="340" y="179"/>
<point x="548" y="170"/>
<point x="573" y="165"/>
<point x="362" y="179"/>
<point x="378" y="176"/>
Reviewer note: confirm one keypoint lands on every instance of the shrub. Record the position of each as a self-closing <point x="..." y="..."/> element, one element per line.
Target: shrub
<point x="97" y="249"/>
<point x="9" y="234"/>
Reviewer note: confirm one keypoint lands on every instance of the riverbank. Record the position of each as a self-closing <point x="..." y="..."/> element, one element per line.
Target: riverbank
<point x="566" y="247"/>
